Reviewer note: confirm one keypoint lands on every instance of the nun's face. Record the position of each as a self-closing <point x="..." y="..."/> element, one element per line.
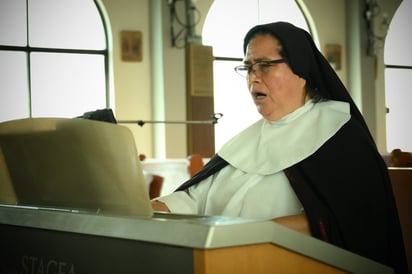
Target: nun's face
<point x="275" y="89"/>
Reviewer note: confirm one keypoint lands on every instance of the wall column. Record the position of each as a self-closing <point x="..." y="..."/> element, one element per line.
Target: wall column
<point x="158" y="101"/>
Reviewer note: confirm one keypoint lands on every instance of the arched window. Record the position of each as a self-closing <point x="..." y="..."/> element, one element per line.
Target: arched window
<point x="225" y="31"/>
<point x="398" y="72"/>
<point x="53" y="58"/>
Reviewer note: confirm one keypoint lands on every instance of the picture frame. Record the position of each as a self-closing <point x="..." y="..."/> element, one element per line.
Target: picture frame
<point x="131" y="46"/>
<point x="333" y="53"/>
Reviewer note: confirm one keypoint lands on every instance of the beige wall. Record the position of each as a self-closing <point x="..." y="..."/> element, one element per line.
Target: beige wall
<point x="330" y="26"/>
<point x="133" y="84"/>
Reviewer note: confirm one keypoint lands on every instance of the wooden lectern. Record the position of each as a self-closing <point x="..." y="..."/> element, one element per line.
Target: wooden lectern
<point x="35" y="240"/>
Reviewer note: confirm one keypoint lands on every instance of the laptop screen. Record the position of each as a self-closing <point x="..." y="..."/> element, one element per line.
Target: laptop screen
<point x="73" y="163"/>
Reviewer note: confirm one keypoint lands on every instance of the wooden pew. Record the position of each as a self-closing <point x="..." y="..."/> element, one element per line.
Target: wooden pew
<point x="401" y="178"/>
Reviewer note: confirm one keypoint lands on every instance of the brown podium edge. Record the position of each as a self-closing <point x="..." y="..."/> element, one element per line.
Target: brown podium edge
<point x="258" y="259"/>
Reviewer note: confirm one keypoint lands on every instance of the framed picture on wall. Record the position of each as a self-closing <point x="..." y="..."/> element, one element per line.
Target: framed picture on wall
<point x="333" y="53"/>
<point x="131" y="46"/>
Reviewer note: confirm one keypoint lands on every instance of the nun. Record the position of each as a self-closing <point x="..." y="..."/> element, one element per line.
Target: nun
<point x="310" y="163"/>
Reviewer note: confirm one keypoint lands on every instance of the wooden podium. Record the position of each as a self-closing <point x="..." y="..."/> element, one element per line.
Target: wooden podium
<point x="58" y="242"/>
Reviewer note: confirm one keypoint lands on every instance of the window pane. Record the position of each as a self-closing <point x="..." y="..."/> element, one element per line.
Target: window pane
<point x="67" y="85"/>
<point x="228" y="41"/>
<point x="397" y="47"/>
<point x="14" y="97"/>
<point x="229" y="85"/>
<point x="281" y="10"/>
<point x="398" y="99"/>
<point x="65" y="24"/>
<point x="13" y="23"/>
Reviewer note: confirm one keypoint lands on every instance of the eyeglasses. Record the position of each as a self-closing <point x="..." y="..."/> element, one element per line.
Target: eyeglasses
<point x="259" y="68"/>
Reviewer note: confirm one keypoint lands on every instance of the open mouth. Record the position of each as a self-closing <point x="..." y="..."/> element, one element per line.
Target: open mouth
<point x="259" y="95"/>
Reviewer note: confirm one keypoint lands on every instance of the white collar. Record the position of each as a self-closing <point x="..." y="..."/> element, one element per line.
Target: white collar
<point x="267" y="147"/>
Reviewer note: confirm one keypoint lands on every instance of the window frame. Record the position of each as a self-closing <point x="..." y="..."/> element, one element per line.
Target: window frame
<point x="28" y="50"/>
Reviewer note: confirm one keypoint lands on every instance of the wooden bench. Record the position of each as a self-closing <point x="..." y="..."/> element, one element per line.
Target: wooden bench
<point x="401" y="178"/>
